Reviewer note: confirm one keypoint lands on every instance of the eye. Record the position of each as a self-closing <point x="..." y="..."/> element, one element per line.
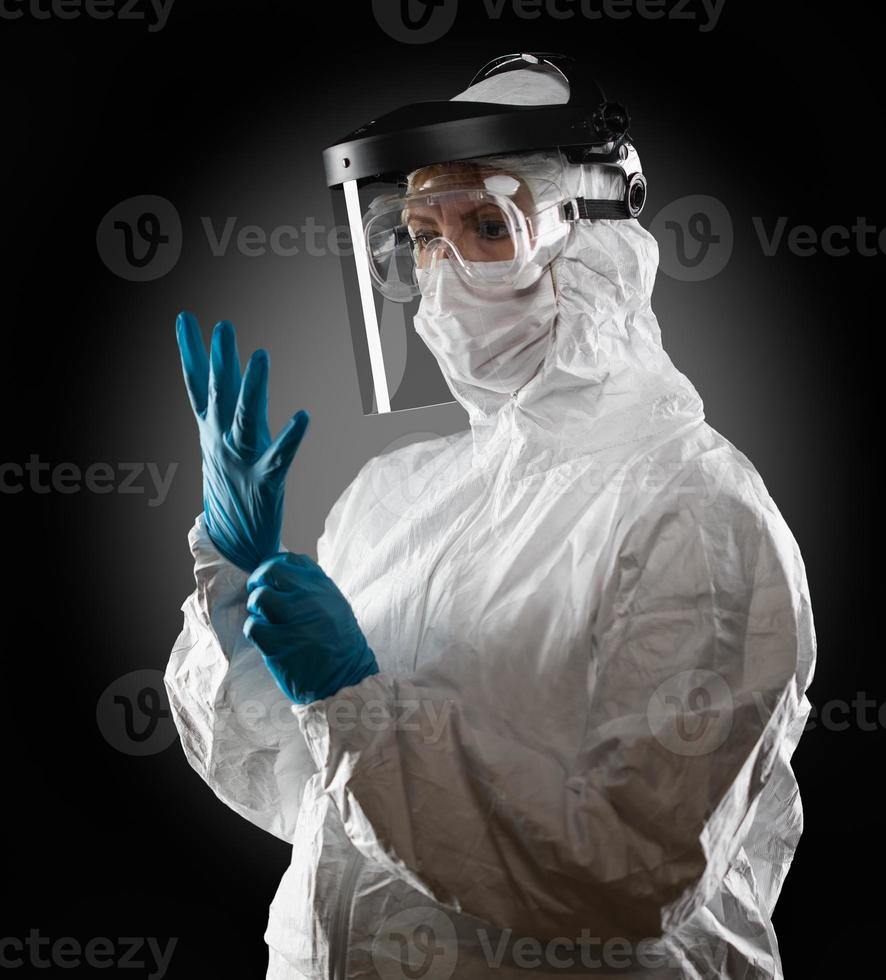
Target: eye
<point x="401" y="236"/>
<point x="421" y="236"/>
<point x="492" y="229"/>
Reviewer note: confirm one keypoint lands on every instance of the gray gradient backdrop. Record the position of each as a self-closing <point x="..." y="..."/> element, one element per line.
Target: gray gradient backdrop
<point x="225" y="113"/>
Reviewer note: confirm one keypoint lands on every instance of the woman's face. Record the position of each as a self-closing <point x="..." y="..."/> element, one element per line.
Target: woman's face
<point x="478" y="227"/>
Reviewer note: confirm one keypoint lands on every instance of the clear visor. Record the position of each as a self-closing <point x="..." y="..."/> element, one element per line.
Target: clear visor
<point x="492" y="225"/>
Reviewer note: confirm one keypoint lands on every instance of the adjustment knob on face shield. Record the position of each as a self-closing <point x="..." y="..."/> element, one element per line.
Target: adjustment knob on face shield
<point x="635" y="194"/>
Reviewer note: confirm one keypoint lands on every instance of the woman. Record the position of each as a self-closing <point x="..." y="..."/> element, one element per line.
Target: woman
<point x="545" y="710"/>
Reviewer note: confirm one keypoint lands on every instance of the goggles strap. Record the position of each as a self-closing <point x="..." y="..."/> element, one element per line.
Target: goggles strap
<point x="585" y="209"/>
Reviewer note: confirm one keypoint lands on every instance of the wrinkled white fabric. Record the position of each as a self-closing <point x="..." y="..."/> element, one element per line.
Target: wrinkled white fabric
<point x="594" y="636"/>
<point x="494" y="337"/>
<point x="524" y="86"/>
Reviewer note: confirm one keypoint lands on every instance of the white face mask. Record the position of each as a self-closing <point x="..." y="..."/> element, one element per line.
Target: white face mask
<point x="495" y="338"/>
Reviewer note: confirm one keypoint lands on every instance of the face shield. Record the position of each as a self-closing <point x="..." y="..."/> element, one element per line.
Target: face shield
<point x="474" y="230"/>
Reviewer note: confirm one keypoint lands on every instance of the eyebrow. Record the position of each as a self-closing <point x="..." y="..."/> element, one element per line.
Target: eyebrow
<point x="418" y="213"/>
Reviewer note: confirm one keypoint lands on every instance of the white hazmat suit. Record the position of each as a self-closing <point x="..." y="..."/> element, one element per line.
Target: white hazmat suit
<point x="594" y="635"/>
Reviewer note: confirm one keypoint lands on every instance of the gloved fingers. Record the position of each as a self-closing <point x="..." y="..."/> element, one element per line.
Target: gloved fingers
<point x="195" y="363"/>
<point x="258" y="633"/>
<point x="224" y="376"/>
<point x="267" y="637"/>
<point x="269" y="605"/>
<point x="280" y="453"/>
<point x="250" y="434"/>
<point x="284" y="572"/>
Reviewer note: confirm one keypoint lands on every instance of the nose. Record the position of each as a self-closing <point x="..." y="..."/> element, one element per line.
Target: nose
<point x="448" y="243"/>
<point x="436" y="249"/>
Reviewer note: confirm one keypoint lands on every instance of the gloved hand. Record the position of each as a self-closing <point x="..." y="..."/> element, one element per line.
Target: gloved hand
<point x="305" y="629"/>
<point x="244" y="473"/>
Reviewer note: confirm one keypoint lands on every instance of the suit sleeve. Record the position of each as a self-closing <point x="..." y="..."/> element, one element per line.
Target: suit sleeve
<point x="235" y="725"/>
<point x="698" y="658"/>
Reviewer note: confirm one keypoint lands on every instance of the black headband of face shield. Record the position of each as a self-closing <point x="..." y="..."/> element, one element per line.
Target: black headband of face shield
<point x="587" y="129"/>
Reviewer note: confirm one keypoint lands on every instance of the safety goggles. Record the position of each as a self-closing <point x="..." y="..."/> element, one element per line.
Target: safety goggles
<point x="488" y="223"/>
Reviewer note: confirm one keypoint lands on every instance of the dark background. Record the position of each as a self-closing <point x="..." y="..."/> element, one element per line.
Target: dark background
<point x="224" y="112"/>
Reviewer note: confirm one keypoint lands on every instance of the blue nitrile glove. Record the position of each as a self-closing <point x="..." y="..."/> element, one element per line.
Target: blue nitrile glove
<point x="244" y="473"/>
<point x="305" y="629"/>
